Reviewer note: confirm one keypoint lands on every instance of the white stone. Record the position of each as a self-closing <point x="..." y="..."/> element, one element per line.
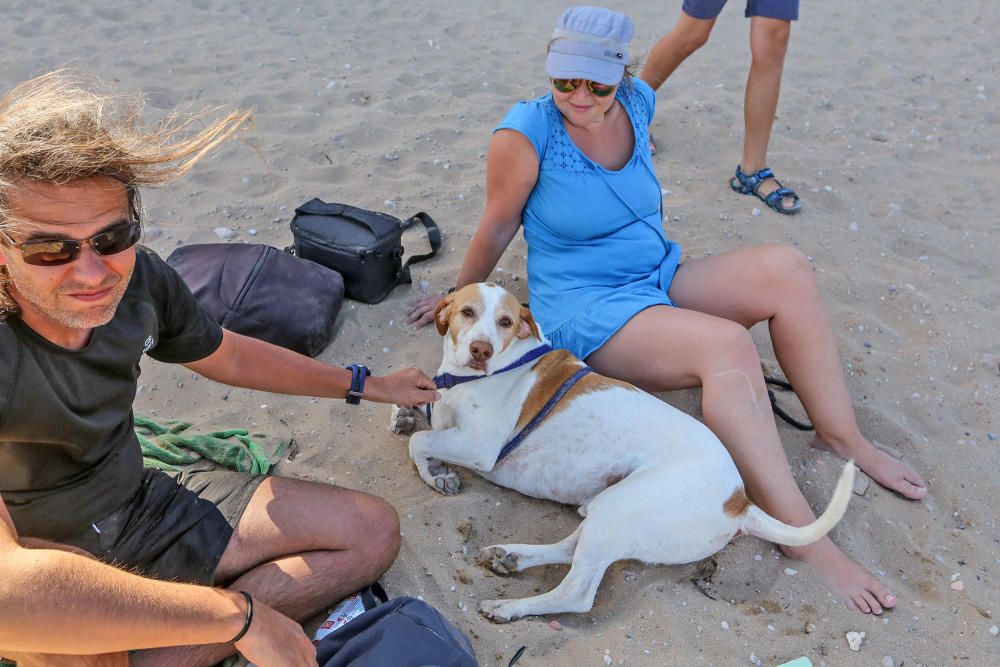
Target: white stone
<point x="994" y="631"/>
<point x="725" y="625"/>
<point x="224" y="233"/>
<point x="854" y="640"/>
<point x="790" y="572"/>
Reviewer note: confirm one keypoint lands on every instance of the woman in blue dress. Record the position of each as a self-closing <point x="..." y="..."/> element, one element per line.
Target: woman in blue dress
<point x="573" y="169"/>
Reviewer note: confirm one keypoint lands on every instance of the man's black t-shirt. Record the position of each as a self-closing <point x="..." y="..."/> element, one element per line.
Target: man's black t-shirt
<point x="68" y="451"/>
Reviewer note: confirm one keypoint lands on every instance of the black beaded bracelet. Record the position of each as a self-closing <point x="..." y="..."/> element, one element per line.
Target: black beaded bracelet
<point x="246" y="623"/>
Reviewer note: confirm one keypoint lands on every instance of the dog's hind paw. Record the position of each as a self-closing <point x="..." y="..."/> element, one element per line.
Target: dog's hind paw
<point x="446" y="480"/>
<point x="497" y="559"/>
<point x="495" y="610"/>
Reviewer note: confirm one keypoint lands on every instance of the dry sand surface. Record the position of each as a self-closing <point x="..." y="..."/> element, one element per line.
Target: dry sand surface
<point x="887" y="127"/>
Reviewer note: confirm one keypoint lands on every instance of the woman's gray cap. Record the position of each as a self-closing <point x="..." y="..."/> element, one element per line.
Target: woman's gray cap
<point x="590" y="43"/>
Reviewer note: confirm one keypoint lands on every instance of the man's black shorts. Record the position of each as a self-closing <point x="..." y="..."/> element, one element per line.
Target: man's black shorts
<point x="176" y="527"/>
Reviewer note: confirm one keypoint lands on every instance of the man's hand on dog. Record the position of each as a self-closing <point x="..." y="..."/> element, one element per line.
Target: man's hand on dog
<point x="406" y="387"/>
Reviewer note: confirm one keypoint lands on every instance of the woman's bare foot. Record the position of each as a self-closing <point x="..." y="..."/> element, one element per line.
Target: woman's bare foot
<point x="884" y="469"/>
<point x="849" y="581"/>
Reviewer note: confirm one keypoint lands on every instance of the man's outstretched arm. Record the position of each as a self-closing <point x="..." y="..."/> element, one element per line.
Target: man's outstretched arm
<point x="54" y="601"/>
<point x="242" y="361"/>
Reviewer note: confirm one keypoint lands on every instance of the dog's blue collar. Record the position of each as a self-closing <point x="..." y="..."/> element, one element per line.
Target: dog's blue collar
<point x="447" y="380"/>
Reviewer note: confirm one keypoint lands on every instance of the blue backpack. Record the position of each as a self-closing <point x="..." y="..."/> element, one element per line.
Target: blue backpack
<point x="402" y="632"/>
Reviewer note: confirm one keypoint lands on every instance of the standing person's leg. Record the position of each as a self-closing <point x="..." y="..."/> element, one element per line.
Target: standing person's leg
<point x="768" y="45"/>
<point x="298" y="547"/>
<point x="689" y="34"/>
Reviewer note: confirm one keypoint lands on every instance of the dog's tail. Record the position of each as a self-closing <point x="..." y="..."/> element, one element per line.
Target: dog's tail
<point x="758" y="523"/>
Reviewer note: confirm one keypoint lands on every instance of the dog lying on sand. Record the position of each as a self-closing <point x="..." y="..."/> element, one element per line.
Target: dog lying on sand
<point x="652" y="483"/>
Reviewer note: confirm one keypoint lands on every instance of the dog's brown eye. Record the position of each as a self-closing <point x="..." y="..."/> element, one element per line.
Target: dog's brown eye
<point x="467" y="312"/>
<point x="505" y="322"/>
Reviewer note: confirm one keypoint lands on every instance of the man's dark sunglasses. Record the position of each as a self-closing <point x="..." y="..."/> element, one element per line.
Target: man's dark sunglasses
<point x="54" y="252"/>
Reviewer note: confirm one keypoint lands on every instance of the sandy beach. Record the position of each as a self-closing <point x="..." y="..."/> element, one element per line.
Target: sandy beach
<point x="887" y="128"/>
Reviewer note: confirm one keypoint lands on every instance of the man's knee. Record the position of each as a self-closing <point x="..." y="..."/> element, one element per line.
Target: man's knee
<point x="381" y="542"/>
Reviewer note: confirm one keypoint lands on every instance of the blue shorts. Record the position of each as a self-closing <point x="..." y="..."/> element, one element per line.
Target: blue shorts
<point x="785" y="10"/>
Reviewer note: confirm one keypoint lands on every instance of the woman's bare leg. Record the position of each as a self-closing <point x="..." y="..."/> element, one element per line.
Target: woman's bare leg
<point x="666" y="348"/>
<point x="776" y="283"/>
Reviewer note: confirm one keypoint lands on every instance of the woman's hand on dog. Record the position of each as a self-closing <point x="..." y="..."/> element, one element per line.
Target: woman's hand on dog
<point x="406" y="387"/>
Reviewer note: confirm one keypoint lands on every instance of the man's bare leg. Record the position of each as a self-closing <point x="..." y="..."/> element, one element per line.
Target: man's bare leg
<point x="299" y="547"/>
<point x="52" y="660"/>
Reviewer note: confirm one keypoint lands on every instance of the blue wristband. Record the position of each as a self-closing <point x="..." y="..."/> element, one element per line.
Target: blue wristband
<point x="358" y="374"/>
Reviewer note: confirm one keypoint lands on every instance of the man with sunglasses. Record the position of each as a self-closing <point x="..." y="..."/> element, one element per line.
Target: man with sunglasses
<point x="80" y="305"/>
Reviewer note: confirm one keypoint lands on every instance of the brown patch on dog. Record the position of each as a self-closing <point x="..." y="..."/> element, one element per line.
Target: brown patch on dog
<point x="442" y="314"/>
<point x="552" y="371"/>
<point x="615" y="478"/>
<point x="737" y="504"/>
<point x="524" y="323"/>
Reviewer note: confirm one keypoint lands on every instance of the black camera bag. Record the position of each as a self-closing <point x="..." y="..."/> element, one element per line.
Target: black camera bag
<point x="364" y="247"/>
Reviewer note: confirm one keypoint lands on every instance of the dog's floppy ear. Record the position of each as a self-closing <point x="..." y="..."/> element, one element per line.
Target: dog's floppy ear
<point x="442" y="314"/>
<point x="528" y="326"/>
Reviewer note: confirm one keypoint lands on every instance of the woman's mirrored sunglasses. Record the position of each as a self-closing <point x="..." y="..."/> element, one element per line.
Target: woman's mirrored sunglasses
<point x="596" y="89"/>
<point x="53" y="252"/>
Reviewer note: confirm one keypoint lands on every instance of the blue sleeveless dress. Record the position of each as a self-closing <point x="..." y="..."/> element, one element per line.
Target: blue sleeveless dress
<point x="597" y="254"/>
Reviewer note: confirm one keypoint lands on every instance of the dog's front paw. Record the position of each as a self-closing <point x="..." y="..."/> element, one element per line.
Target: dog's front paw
<point x="404" y="420"/>
<point x="497" y="611"/>
<point x="446" y="480"/>
<point x="497" y="559"/>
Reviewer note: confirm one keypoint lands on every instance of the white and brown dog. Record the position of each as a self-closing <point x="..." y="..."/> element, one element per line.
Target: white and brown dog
<point x="653" y="483"/>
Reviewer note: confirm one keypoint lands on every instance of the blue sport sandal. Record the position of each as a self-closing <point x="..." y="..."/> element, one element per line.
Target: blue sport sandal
<point x="747" y="184"/>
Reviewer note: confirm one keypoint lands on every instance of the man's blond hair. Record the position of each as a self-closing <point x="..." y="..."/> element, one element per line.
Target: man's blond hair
<point x="63" y="126"/>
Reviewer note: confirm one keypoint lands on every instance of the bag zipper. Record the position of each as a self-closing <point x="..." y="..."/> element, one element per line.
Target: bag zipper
<point x="360" y="251"/>
<point x="251" y="278"/>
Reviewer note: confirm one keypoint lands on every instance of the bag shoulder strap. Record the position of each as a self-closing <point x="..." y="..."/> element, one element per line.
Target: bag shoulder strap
<point x="433" y="236"/>
<point x="374" y="595"/>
